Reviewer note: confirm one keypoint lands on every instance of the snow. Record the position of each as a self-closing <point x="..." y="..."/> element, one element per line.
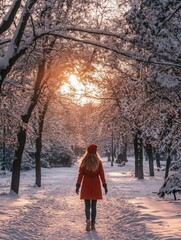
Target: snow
<point x="171" y="185"/>
<point x="130" y="210"/>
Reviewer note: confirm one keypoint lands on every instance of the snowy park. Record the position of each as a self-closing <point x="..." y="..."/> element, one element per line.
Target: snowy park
<point x="90" y="116"/>
<point x="130" y="210"/>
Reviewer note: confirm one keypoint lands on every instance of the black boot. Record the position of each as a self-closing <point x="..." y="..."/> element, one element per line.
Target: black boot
<point x="93" y="226"/>
<point x="88" y="225"/>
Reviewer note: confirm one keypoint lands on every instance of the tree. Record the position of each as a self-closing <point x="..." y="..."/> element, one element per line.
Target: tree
<point x="155" y="26"/>
<point x="21" y="135"/>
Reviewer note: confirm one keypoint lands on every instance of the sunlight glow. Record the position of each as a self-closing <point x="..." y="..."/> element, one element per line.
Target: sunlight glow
<point x="74" y="82"/>
<point x="79" y="92"/>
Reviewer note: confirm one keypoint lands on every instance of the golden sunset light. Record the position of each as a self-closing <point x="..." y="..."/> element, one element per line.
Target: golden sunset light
<point x="81" y="93"/>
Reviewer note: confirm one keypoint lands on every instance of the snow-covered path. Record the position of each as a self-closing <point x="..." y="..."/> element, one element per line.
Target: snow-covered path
<point x="55" y="212"/>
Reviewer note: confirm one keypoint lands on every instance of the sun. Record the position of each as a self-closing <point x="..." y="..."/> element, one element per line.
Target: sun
<point x="81" y="93"/>
<point x="73" y="80"/>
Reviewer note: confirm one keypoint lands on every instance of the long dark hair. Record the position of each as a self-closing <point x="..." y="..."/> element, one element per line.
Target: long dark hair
<point x="90" y="161"/>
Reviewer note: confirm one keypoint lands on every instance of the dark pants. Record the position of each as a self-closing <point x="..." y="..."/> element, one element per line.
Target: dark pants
<point x="90" y="209"/>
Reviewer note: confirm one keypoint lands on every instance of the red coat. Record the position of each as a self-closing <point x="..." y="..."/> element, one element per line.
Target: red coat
<point x="91" y="185"/>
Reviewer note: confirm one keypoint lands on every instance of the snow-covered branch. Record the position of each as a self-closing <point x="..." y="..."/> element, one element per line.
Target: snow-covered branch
<point x="9" y="17"/>
<point x="10" y="57"/>
<point x="114" y="49"/>
<point x="4" y="41"/>
<point x="95" y="31"/>
<point x="169" y="17"/>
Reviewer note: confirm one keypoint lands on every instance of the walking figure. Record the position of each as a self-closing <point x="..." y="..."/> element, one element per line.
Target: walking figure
<point x="90" y="172"/>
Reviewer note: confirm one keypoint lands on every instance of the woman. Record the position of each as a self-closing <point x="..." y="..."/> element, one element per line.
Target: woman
<point x="90" y="172"/>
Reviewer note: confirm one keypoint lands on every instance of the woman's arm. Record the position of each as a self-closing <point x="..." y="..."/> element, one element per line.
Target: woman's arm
<point x="102" y="175"/>
<point x="80" y="175"/>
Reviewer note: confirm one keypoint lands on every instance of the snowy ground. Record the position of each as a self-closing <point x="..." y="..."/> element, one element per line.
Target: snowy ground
<point x="130" y="210"/>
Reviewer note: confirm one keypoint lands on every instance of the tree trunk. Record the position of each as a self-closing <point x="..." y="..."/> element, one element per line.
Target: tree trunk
<point x="157" y="156"/>
<point x="168" y="161"/>
<point x="140" y="156"/>
<point x="112" y="149"/>
<point x="38" y="161"/>
<point x="4" y="166"/>
<point x="136" y="154"/>
<point x="149" y="152"/>
<point x="21" y="135"/>
<point x="39" y="144"/>
<point x="16" y="167"/>
<point x="124" y="152"/>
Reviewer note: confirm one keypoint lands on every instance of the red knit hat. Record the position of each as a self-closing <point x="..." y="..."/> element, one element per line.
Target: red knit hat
<point x="92" y="149"/>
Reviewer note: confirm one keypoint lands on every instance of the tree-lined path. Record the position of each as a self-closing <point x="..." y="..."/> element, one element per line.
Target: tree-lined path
<point x="74" y="73"/>
<point x="55" y="212"/>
